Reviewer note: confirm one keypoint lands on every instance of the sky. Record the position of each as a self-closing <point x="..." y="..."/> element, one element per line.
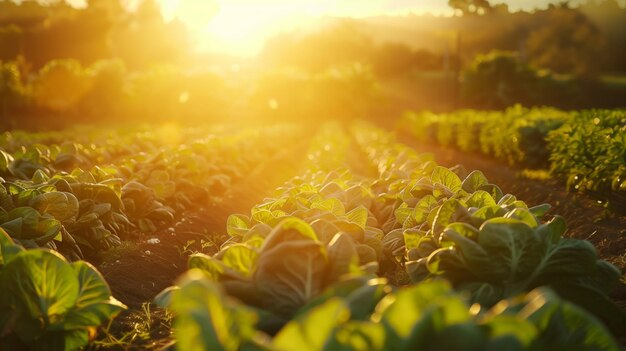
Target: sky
<point x="240" y="27"/>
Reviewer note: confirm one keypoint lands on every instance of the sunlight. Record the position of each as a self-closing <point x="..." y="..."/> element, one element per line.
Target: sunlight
<point x="240" y="27"/>
<point x="169" y="134"/>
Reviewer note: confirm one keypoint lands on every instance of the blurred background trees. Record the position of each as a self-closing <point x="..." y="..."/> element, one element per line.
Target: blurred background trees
<point x="108" y="61"/>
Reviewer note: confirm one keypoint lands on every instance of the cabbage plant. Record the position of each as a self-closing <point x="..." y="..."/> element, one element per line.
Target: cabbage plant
<point x="47" y="302"/>
<point x="367" y="314"/>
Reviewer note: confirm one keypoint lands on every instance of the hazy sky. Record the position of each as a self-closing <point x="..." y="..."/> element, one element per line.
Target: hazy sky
<point x="241" y="26"/>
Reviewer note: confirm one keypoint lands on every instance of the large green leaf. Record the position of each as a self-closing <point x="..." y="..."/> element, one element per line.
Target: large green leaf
<point x="290" y="274"/>
<point x="241" y="258"/>
<point x="474" y="181"/>
<point x="447" y="178"/>
<point x="358" y="336"/>
<point x="237" y="225"/>
<point x="411" y="315"/>
<point x="43" y="287"/>
<point x="313" y="331"/>
<point x="8" y="249"/>
<point x="342" y="256"/>
<point x="94" y="305"/>
<point x="62" y="206"/>
<point x="25" y="223"/>
<point x="205" y="319"/>
<point x="512" y="245"/>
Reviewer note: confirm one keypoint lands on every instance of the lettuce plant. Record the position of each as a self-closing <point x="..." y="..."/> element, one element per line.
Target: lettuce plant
<point x="365" y="314"/>
<point x="47" y="302"/>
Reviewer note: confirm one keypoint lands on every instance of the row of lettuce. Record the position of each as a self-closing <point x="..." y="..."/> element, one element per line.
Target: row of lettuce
<point x="109" y="185"/>
<point x="57" y="199"/>
<point x="416" y="257"/>
<point x="585" y="149"/>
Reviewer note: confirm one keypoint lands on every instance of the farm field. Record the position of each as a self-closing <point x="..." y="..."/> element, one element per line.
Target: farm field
<point x="308" y="175"/>
<point x="342" y="215"/>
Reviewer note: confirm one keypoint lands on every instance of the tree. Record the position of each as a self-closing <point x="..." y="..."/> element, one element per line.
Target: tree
<point x="568" y="43"/>
<point x="61" y="84"/>
<point x="471" y="7"/>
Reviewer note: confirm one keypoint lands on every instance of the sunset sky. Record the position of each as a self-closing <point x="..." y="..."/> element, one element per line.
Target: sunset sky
<point x="241" y="26"/>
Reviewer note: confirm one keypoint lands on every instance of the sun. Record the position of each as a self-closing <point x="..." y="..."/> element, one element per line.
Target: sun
<point x="241" y="26"/>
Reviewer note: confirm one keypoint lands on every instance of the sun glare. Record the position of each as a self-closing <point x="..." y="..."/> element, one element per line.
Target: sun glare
<point x="241" y="26"/>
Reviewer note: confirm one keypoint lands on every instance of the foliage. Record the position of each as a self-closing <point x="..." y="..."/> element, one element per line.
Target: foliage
<point x="501" y="79"/>
<point x="569" y="42"/>
<point x="47" y="302"/>
<point x="455" y="225"/>
<point x="584" y="149"/>
<point x="12" y="90"/>
<point x="74" y="196"/>
<point x="61" y="85"/>
<point x="297" y="272"/>
<point x="370" y="315"/>
<point x="516" y="135"/>
<point x="589" y="152"/>
<point x="340" y="92"/>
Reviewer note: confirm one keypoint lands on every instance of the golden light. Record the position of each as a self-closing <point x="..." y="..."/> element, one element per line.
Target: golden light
<point x="170" y="134"/>
<point x="241" y="26"/>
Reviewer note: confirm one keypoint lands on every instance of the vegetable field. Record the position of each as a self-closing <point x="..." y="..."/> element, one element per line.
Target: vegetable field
<point x="584" y="149"/>
<point x="330" y="237"/>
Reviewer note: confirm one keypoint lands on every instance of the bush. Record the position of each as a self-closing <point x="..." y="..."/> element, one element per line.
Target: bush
<point x="500" y="79"/>
<point x="61" y="84"/>
<point x="12" y="91"/>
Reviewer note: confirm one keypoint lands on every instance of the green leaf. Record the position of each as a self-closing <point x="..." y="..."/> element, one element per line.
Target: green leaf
<point x="25" y="223"/>
<point x="205" y="320"/>
<point x="358" y="336"/>
<point x="489" y="212"/>
<point x="241" y="258"/>
<point x="312" y="331"/>
<point x="524" y="216"/>
<point x="540" y="210"/>
<point x="358" y="216"/>
<point x="493" y="190"/>
<point x="474" y="181"/>
<point x="342" y="256"/>
<point x="480" y="199"/>
<point x="43" y="287"/>
<point x="447" y="178"/>
<point x="237" y="225"/>
<point x="62" y="206"/>
<point x="512" y="245"/>
<point x="289" y="274"/>
<point x="450" y="211"/>
<point x="291" y="228"/>
<point x="411" y="315"/>
<point x="423" y="208"/>
<point x="213" y="268"/>
<point x="331" y="205"/>
<point x="94" y="305"/>
<point x="8" y="249"/>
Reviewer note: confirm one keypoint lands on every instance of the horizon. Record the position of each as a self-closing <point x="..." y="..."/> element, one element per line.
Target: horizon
<point x="241" y="27"/>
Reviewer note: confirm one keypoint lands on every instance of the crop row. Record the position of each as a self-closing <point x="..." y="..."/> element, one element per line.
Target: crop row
<point x="304" y="270"/>
<point x="75" y="196"/>
<point x="584" y="149"/>
<point x="51" y="207"/>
